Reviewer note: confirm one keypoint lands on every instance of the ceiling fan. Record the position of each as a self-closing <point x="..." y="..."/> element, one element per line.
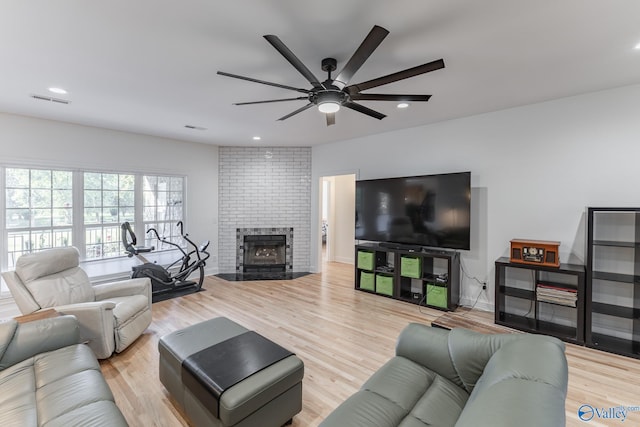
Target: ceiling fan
<point x="334" y="93"/>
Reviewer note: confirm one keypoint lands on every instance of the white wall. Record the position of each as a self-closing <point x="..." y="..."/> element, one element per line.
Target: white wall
<point x="534" y="171"/>
<point x="36" y="142"/>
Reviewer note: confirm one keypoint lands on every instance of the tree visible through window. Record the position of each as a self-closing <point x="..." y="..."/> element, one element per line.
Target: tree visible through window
<point x="38" y="210"/>
<point x="163" y="207"/>
<point x="109" y="200"/>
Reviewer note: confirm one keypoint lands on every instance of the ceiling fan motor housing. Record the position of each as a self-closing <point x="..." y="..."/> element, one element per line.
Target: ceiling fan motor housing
<point x="332" y="94"/>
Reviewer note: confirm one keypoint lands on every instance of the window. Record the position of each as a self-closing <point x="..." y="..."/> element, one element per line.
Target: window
<point x="38" y="210"/>
<point x="46" y="208"/>
<point x="163" y="203"/>
<point x="109" y="200"/>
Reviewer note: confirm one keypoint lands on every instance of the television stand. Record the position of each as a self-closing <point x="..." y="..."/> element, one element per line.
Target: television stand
<point x="409" y="273"/>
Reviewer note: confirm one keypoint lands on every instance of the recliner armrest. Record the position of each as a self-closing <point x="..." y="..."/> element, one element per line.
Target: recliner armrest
<point x="96" y="324"/>
<point x="123" y="288"/>
<point x="39" y="336"/>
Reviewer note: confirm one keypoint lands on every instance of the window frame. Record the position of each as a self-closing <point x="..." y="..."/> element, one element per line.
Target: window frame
<point x="78" y="228"/>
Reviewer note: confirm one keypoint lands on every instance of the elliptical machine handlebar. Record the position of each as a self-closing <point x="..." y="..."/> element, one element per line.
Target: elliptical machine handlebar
<point x="169" y="242"/>
<point x="129" y="241"/>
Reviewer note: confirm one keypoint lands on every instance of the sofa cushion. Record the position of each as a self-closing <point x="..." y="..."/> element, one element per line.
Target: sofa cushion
<point x="403" y="393"/>
<point x="102" y="413"/>
<point x="61" y="387"/>
<point x="366" y="409"/>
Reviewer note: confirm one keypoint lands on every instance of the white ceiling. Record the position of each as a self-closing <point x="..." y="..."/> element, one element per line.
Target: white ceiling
<point x="149" y="66"/>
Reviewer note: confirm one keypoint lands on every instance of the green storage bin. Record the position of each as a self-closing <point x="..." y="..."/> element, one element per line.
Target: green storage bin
<point x="384" y="285"/>
<point x="367" y="281"/>
<point x="365" y="260"/>
<point x="410" y="267"/>
<point x="437" y="296"/>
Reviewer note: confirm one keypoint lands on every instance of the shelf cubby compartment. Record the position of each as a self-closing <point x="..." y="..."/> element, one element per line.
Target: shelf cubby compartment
<point x="410" y="266"/>
<point x="411" y="290"/>
<point x="384" y="284"/>
<point x="436" y="295"/>
<point x="367" y="281"/>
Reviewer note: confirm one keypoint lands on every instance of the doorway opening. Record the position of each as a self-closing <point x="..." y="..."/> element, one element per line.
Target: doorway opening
<point x="337" y="219"/>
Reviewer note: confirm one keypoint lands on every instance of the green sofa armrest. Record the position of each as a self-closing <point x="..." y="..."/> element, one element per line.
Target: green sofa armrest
<point x="524" y="384"/>
<point x="32" y="338"/>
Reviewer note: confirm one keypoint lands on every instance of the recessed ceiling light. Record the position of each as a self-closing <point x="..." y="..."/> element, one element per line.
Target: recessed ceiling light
<point x="256" y="138"/>
<point x="637" y="46"/>
<point x="403" y="105"/>
<point x="58" y="90"/>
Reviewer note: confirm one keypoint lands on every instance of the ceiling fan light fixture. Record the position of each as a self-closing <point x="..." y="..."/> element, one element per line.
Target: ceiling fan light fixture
<point x="328" y="107"/>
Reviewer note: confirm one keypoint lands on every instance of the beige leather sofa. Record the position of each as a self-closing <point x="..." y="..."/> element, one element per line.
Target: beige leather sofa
<point x="48" y="379"/>
<point x="111" y="316"/>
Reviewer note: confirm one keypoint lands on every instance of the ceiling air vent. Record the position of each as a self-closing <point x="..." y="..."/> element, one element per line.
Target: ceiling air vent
<point x="50" y="99"/>
<point x="195" y="127"/>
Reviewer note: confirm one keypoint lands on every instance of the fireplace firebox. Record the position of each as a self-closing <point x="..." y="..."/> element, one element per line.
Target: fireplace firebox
<point x="264" y="253"/>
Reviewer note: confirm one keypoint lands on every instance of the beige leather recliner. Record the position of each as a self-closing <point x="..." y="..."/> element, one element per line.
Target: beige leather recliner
<point x="111" y="315"/>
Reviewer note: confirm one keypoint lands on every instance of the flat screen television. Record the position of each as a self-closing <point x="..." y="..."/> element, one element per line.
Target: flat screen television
<point x="429" y="210"/>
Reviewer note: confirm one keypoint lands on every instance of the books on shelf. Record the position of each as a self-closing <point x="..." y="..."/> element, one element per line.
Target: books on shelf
<point x="557" y="295"/>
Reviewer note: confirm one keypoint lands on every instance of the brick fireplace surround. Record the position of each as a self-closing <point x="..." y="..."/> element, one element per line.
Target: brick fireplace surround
<point x="264" y="188"/>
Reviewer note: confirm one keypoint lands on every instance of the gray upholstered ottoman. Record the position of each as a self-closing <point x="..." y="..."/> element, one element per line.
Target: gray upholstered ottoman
<point x="208" y="369"/>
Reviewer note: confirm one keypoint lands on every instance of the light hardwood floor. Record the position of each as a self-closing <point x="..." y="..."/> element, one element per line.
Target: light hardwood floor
<point x="342" y="335"/>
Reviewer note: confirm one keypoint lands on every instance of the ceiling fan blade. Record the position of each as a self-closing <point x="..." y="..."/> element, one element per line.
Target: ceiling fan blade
<point x="331" y="118"/>
<point x="271" y="100"/>
<point x="369" y="44"/>
<point x="387" y="97"/>
<point x="235" y="76"/>
<point x="299" y="110"/>
<point x="400" y="75"/>
<point x="364" y="110"/>
<point x="293" y="60"/>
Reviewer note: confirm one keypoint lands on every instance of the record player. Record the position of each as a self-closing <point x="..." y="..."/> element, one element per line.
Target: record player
<point x="537" y="252"/>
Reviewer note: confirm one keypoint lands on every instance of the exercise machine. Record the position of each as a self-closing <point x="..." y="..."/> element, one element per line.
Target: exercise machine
<point x="177" y="274"/>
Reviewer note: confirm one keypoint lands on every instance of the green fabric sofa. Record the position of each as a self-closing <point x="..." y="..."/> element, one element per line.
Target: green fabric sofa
<point x="464" y="379"/>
